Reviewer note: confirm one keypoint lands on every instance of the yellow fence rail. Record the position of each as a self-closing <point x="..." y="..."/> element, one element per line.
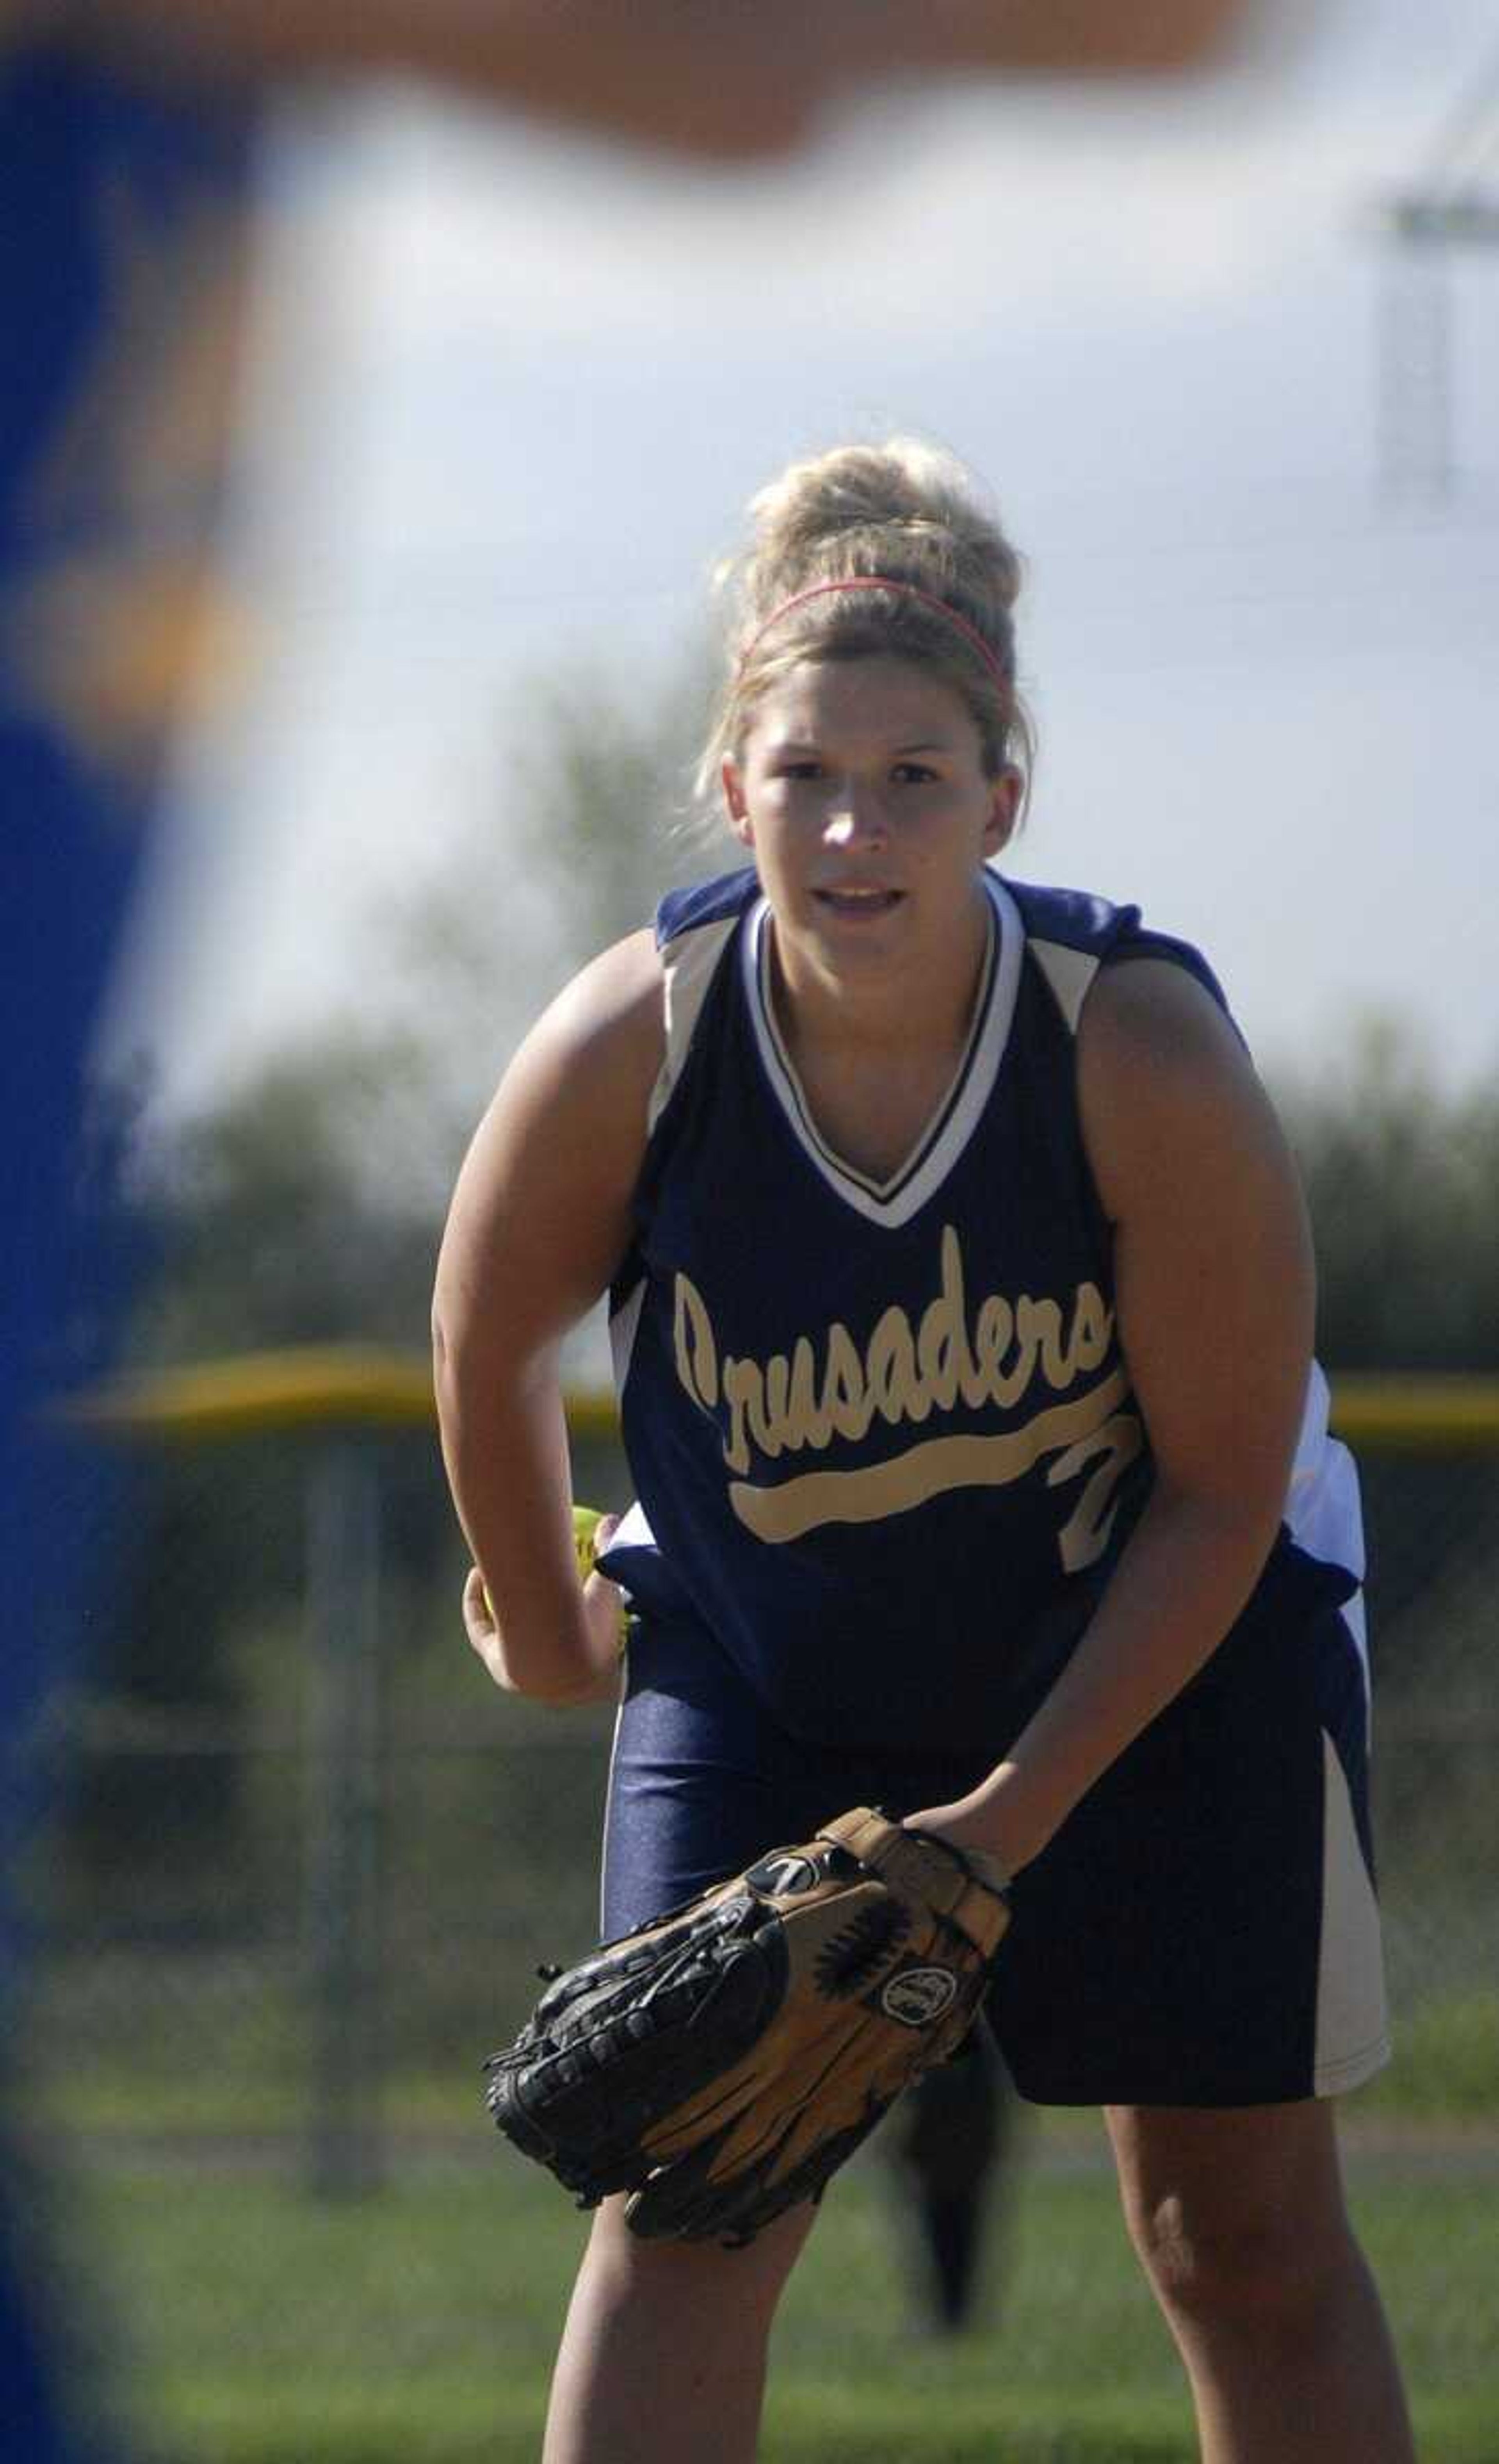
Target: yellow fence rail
<point x="349" y="1385"/>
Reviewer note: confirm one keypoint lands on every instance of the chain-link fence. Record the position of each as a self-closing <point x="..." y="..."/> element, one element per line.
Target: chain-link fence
<point x="303" y="1860"/>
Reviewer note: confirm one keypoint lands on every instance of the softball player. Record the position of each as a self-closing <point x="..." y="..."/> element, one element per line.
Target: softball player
<point x="961" y="1301"/>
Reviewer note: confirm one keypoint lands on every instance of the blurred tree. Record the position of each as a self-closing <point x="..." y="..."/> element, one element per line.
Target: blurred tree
<point x="285" y="1215"/>
<point x="609" y="820"/>
<point x="306" y="1205"/>
<point x="601" y="822"/>
<point x="1403" y="1180"/>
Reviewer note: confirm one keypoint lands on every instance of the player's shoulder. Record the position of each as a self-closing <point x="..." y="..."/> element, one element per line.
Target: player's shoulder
<point x="630" y="1014"/>
<point x="1108" y="933"/>
<point x="1096" y="955"/>
<point x="1076" y="919"/>
<point x="1163" y="1073"/>
<point x="606" y="1026"/>
<point x="623" y="978"/>
<point x="1156" y="1016"/>
<point x="1158" y="1048"/>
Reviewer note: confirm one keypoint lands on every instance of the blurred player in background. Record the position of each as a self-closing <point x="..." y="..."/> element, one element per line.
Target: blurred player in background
<point x="126" y="136"/>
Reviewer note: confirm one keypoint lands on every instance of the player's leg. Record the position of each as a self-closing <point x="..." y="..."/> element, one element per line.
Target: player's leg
<point x="663" y="2357"/>
<point x="1239" y="2219"/>
<point x="1198" y="1951"/>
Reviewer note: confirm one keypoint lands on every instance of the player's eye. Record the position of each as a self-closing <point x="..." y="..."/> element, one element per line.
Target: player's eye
<point x="914" y="774"/>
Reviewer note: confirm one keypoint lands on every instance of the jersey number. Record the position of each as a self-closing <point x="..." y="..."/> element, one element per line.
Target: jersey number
<point x="1085" y="1534"/>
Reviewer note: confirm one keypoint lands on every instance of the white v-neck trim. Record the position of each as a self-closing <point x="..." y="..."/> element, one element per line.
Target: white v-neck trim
<point x="894" y="1201"/>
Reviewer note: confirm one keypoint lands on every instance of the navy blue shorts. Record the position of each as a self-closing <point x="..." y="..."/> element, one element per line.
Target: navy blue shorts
<point x="1202" y="1930"/>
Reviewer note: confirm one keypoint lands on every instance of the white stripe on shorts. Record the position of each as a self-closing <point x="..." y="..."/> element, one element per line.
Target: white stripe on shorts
<point x="1352" y="2036"/>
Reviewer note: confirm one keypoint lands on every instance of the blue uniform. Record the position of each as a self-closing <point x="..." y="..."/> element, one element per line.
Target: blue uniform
<point x="120" y="270"/>
<point x="887" y="1454"/>
<point x="120" y="249"/>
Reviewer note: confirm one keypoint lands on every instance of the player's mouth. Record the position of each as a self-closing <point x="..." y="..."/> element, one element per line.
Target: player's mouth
<point x="862" y="903"/>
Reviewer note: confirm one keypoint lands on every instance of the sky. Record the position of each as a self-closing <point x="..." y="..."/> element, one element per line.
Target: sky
<point x="511" y="390"/>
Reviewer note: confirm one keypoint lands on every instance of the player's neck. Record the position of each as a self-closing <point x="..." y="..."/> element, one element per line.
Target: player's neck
<point x="921" y="1008"/>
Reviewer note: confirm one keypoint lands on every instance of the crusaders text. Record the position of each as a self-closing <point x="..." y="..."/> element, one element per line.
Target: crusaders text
<point x="1002" y="1353"/>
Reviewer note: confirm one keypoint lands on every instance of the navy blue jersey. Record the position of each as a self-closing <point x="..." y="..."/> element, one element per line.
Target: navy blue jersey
<point x="883" y="1433"/>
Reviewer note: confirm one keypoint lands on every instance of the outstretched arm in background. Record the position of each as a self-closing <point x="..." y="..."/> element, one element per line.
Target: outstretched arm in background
<point x="717" y="77"/>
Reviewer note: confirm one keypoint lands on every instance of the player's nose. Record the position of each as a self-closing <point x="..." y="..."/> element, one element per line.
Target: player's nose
<point x="856" y="816"/>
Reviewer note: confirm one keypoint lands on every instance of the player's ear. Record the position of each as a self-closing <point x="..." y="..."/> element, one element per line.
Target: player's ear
<point x="735" y="806"/>
<point x="1004" y="810"/>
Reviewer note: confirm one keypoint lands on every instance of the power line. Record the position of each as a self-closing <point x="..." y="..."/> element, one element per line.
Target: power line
<point x="1452" y="203"/>
<point x="1466" y="150"/>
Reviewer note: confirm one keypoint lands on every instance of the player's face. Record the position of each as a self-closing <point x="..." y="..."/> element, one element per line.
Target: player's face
<point x="862" y="793"/>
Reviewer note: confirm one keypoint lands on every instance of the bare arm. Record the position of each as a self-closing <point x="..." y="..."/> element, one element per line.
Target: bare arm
<point x="1215" y="1297"/>
<point x="539" y="1222"/>
<point x="728" y="78"/>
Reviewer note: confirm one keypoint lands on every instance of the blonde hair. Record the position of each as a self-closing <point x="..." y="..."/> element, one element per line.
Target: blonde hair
<point x="903" y="512"/>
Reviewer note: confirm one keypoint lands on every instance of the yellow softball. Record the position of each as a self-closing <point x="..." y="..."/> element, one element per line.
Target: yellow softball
<point x="586" y="1520"/>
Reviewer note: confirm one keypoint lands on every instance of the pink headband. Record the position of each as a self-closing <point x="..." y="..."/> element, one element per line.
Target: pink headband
<point x="879" y="582"/>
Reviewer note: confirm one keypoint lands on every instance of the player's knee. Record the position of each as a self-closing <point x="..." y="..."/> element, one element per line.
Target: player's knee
<point x="1234" y="2264"/>
<point x="693" y="2278"/>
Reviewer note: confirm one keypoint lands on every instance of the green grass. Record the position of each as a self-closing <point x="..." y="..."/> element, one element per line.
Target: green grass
<point x="417" y="2326"/>
<point x="1445" y="2071"/>
<point x="1447" y="2062"/>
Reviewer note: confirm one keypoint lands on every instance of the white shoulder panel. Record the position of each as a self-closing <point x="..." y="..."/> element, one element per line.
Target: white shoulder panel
<point x="1069" y="972"/>
<point x="691" y="962"/>
<point x="623" y="1328"/>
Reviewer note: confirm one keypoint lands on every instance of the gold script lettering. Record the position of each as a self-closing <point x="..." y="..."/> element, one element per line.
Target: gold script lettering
<point x="789" y="1403"/>
<point x="896" y="1389"/>
<point x="697" y="1352"/>
<point x="871" y="1492"/>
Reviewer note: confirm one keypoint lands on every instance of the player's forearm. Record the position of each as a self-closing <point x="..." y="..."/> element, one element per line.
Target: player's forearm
<point x="1187" y="1574"/>
<point x="523" y="47"/>
<point x="493" y="40"/>
<point x="736" y="78"/>
<point x="505" y="1442"/>
<point x="486" y="40"/>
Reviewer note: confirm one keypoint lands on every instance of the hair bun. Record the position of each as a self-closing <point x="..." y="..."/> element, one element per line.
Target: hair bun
<point x="903" y="512"/>
<point x="865" y="508"/>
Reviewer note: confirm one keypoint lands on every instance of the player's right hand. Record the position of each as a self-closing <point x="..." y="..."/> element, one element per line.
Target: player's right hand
<point x="603" y="1602"/>
<point x="601" y="1645"/>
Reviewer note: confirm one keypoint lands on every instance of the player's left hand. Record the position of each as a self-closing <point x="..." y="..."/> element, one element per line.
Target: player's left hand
<point x="993" y="1827"/>
<point x="720" y="2064"/>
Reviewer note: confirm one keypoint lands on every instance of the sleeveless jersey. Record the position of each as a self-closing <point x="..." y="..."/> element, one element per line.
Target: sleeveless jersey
<point x="883" y="1433"/>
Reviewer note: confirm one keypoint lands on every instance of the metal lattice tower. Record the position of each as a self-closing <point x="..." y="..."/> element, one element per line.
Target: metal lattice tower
<point x="1452" y="203"/>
